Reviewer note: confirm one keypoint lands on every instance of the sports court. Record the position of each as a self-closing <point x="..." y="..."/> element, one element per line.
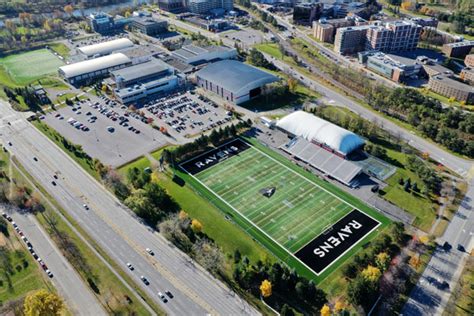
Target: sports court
<point x="29" y="66"/>
<point x="286" y="206"/>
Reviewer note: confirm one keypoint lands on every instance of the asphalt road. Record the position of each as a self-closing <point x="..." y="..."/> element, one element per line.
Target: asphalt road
<point x="78" y="296"/>
<point x="428" y="297"/>
<point x="112" y="226"/>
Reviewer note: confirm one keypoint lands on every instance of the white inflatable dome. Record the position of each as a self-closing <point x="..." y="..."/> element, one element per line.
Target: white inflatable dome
<point x="311" y="127"/>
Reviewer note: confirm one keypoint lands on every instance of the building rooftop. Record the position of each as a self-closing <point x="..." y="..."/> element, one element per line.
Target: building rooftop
<point x="105" y="47"/>
<point x="437" y="68"/>
<point x="453" y="83"/>
<point x="460" y="44"/>
<point x="190" y="51"/>
<point x="95" y="64"/>
<point x="147" y="20"/>
<point x="235" y="76"/>
<point x="154" y="66"/>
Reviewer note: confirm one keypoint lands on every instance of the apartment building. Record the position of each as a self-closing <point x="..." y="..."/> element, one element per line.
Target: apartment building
<point x="451" y="88"/>
<point x="350" y="40"/>
<point x="325" y="30"/>
<point x="392" y="36"/>
<point x="205" y="6"/>
<point x="467" y="75"/>
<point x="458" y="49"/>
<point x="469" y="60"/>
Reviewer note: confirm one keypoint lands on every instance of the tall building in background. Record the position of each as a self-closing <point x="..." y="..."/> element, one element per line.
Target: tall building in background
<point x="306" y="13"/>
<point x="389" y="37"/>
<point x="205" y="6"/>
<point x="174" y="6"/>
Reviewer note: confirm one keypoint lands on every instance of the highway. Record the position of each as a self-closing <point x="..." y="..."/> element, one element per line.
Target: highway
<point x="428" y="297"/>
<point x="77" y="295"/>
<point x="115" y="229"/>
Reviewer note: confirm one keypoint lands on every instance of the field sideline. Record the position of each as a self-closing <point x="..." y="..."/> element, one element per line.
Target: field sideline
<point x="301" y="208"/>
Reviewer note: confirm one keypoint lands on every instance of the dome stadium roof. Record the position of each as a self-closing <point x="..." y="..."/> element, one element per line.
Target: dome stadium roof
<point x="91" y="65"/>
<point x="310" y="127"/>
<point x="106" y="47"/>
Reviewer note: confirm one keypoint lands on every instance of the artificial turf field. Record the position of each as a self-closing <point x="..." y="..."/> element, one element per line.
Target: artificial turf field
<point x="300" y="209"/>
<point x="26" y="67"/>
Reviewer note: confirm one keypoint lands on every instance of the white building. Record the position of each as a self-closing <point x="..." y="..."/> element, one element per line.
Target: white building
<point x="105" y="48"/>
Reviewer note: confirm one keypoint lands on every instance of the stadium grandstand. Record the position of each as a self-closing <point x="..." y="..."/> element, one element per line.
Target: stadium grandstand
<point x="105" y="48"/>
<point x="322" y="145"/>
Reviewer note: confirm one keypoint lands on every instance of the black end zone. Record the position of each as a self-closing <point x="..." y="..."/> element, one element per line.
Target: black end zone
<point x="325" y="249"/>
<point x="210" y="158"/>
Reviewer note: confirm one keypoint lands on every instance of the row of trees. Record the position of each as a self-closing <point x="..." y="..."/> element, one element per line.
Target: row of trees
<point x="364" y="271"/>
<point x="28" y="30"/>
<point x="26" y="94"/>
<point x="257" y="59"/>
<point x="201" y="144"/>
<point x="429" y="177"/>
<point x="277" y="282"/>
<point x="448" y="126"/>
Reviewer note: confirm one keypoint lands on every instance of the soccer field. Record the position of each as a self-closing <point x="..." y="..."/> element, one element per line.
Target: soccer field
<point x="289" y="209"/>
<point x="26" y="67"/>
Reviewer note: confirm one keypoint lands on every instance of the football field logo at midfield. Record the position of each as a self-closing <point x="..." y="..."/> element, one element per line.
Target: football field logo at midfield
<point x="268" y="192"/>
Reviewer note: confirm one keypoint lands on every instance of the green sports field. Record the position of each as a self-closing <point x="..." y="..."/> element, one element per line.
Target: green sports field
<point x="301" y="208"/>
<point x="298" y="211"/>
<point x="26" y="67"/>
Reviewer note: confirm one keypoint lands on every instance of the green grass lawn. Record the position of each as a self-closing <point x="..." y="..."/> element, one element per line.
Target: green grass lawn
<point x="416" y="204"/>
<point x="279" y="251"/>
<point x="140" y="163"/>
<point x="57" y="139"/>
<point x="26" y="276"/>
<point x="60" y="48"/>
<point x="26" y="67"/>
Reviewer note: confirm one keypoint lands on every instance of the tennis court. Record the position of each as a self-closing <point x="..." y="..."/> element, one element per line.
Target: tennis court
<point x="287" y="207"/>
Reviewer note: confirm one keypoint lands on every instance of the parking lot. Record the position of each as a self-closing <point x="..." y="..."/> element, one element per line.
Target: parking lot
<point x="187" y="115"/>
<point x="247" y="36"/>
<point x="107" y="132"/>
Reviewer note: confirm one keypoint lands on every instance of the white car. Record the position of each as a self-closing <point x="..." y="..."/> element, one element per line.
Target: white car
<point x="85" y="206"/>
<point x="129" y="265"/>
<point x="163" y="298"/>
<point x="150" y="251"/>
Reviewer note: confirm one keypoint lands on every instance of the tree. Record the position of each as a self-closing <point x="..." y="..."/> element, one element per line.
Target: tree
<point x="325" y="310"/>
<point x="237" y="256"/>
<point x="196" y="226"/>
<point x="266" y="288"/>
<point x="286" y="311"/>
<point x="382" y="260"/>
<point x="68" y="9"/>
<point x="362" y="292"/>
<point x="371" y="273"/>
<point x="208" y="255"/>
<point x="43" y="303"/>
<point x="292" y="84"/>
<point x="339" y="306"/>
<point x="415" y="187"/>
<point x="104" y="88"/>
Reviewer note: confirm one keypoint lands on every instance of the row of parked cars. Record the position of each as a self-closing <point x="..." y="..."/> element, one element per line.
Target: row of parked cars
<point x="28" y="244"/>
<point x="115" y="116"/>
<point x="75" y="123"/>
